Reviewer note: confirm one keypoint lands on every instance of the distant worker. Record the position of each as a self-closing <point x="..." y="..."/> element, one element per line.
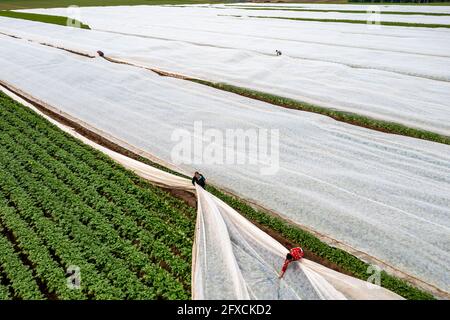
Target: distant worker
<point x="294" y="254"/>
<point x="278" y="52"/>
<point x="100" y="53"/>
<point x="199" y="179"/>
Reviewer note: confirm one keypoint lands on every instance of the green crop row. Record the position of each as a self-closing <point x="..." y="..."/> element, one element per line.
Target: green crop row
<point x="30" y="221"/>
<point x="31" y="245"/>
<point x="100" y="226"/>
<point x="104" y="191"/>
<point x="67" y="204"/>
<point x="5" y="288"/>
<point x="19" y="274"/>
<point x="136" y="188"/>
<point x="45" y="18"/>
<point x="52" y="205"/>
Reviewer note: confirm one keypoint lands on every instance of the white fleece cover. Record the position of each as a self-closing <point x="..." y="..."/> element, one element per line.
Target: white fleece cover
<point x="398" y="74"/>
<point x="385" y="195"/>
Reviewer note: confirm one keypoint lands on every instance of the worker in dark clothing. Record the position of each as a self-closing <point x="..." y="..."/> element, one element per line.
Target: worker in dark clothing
<point x="294" y="254"/>
<point x="199" y="179"/>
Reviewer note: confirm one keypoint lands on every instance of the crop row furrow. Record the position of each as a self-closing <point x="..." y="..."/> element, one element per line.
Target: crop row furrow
<point x="156" y="200"/>
<point x="4" y="292"/>
<point x="46" y="269"/>
<point x="179" y="266"/>
<point x="96" y="208"/>
<point x="168" y="233"/>
<point x="82" y="242"/>
<point x="108" y="234"/>
<point x="47" y="234"/>
<point x="179" y="234"/>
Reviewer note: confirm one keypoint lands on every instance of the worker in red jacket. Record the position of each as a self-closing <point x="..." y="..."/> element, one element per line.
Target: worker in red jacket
<point x="294" y="254"/>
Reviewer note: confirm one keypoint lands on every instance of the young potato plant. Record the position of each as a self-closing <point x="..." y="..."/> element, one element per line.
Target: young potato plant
<point x="64" y="204"/>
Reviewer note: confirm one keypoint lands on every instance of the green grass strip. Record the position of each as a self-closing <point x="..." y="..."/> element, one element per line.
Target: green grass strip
<point x="63" y="177"/>
<point x="383" y="23"/>
<point x="4" y="292"/>
<point x="347" y="117"/>
<point x="58" y="20"/>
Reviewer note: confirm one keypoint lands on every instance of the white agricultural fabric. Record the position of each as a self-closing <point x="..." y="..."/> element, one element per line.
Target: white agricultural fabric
<point x="233" y="259"/>
<point x="391" y="73"/>
<point x="385" y="195"/>
<point x="228" y="249"/>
